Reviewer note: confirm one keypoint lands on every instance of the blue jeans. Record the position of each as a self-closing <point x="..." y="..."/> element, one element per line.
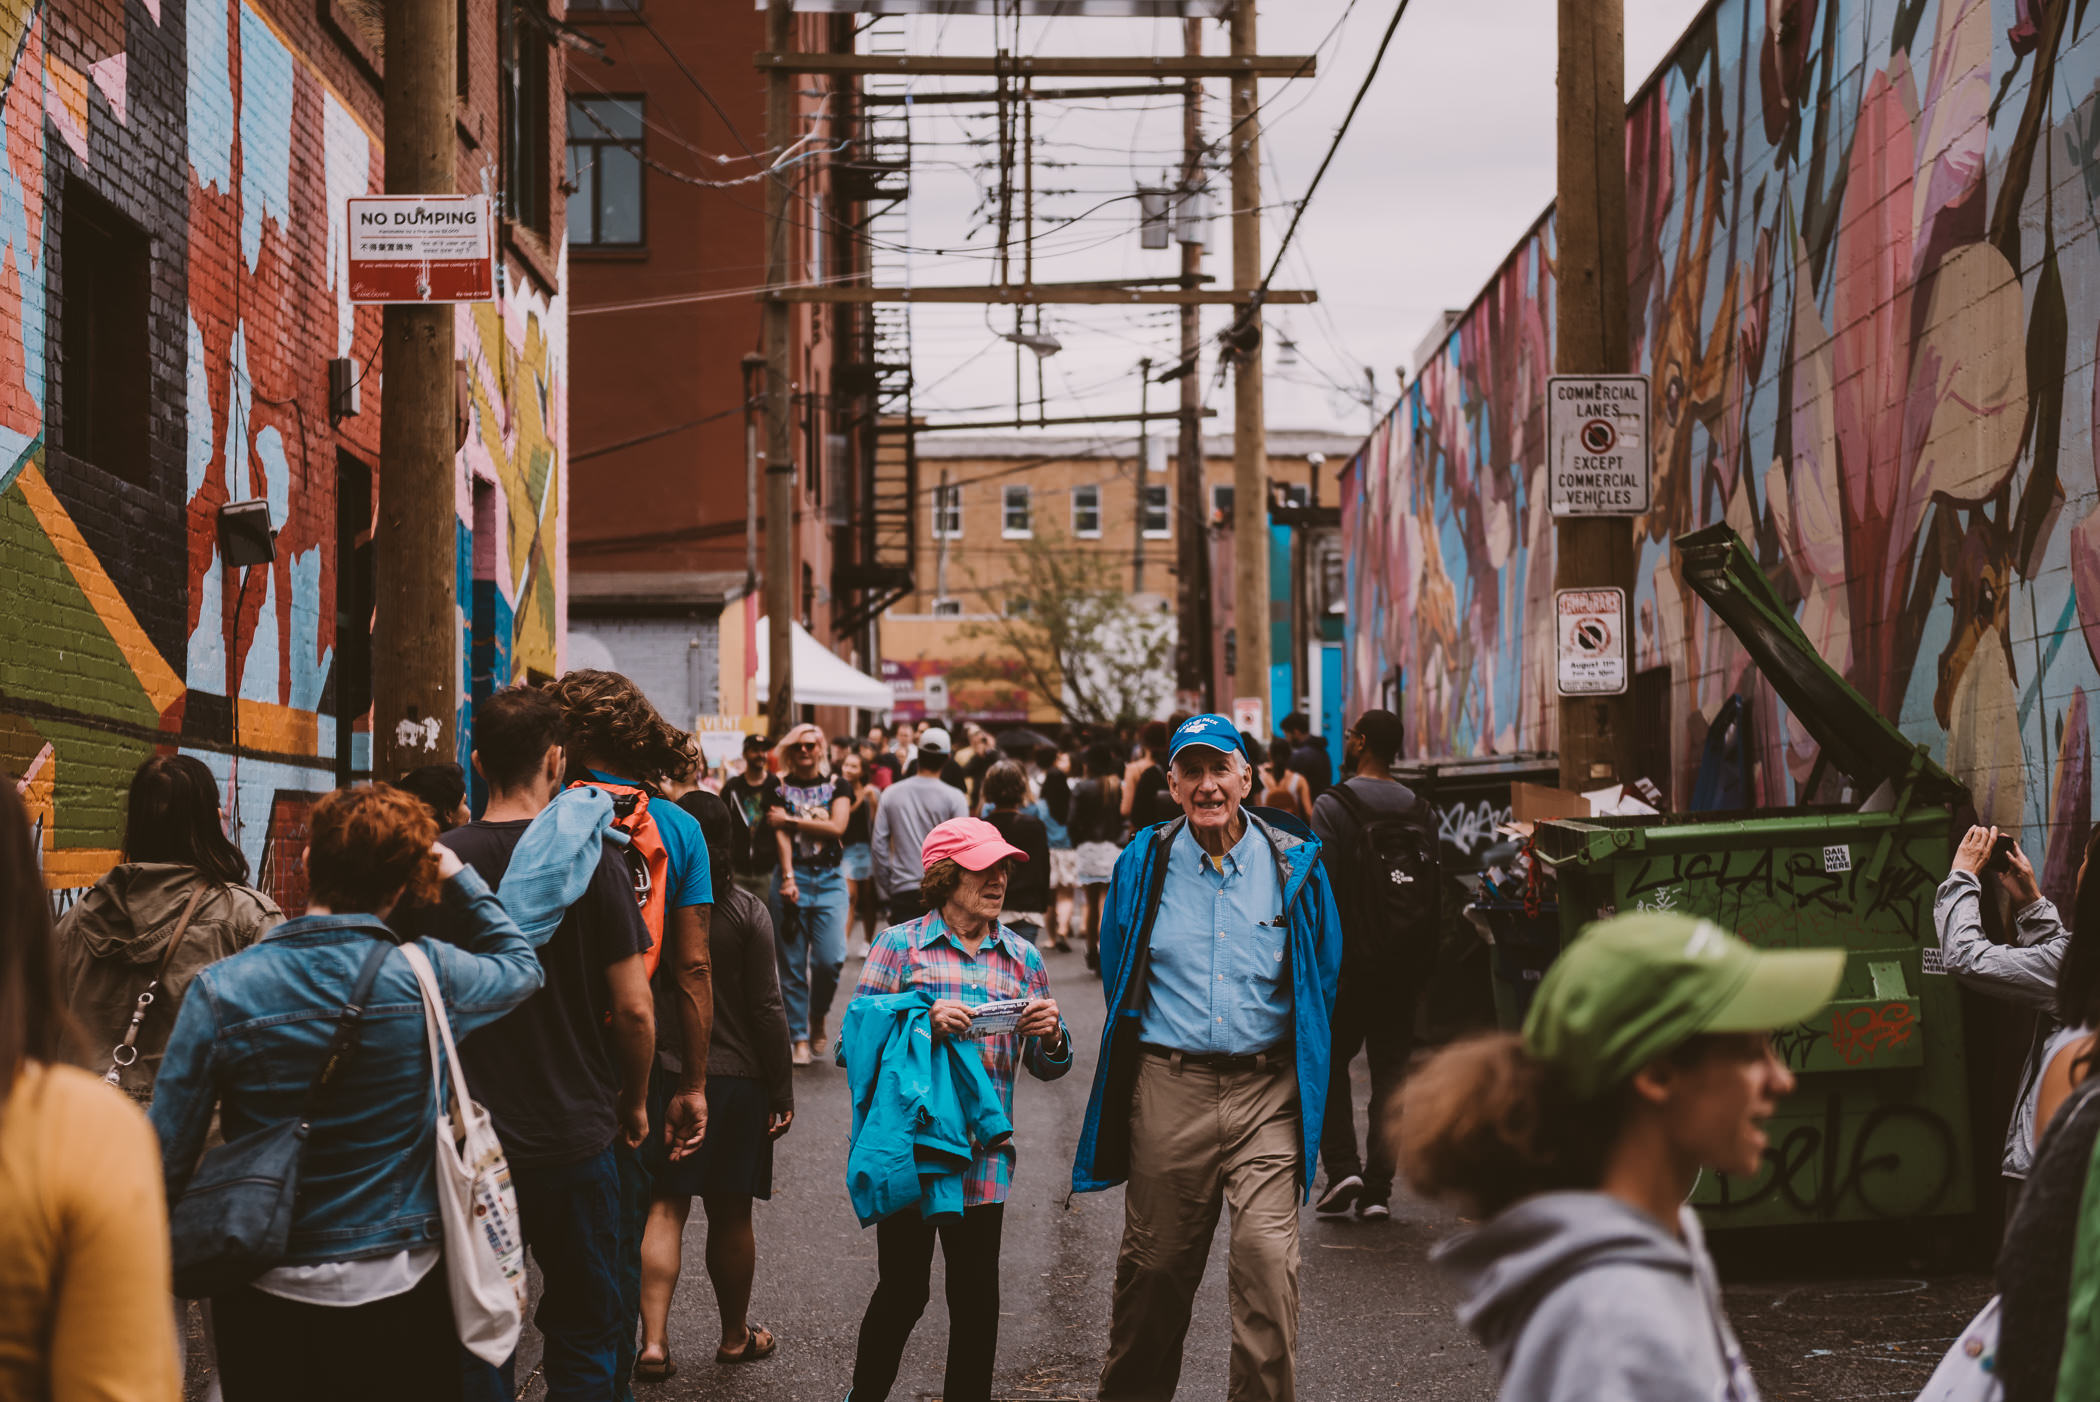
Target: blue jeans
<point x="571" y="1216"/>
<point x="812" y="947"/>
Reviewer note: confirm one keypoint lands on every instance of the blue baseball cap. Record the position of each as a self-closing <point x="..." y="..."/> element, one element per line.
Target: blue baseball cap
<point x="1213" y="731"/>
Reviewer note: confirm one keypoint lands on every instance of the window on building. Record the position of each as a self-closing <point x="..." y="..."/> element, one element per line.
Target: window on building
<point x="1015" y="522"/>
<point x="947" y="608"/>
<point x="1293" y="494"/>
<point x="526" y="130"/>
<point x="1086" y="513"/>
<point x="1021" y="606"/>
<point x="1221" y="504"/>
<point x="947" y="512"/>
<point x="1158" y="524"/>
<point x="104" y="297"/>
<point x="605" y="170"/>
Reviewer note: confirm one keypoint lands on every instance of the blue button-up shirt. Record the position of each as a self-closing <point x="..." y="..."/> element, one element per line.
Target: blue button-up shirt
<point x="1219" y="974"/>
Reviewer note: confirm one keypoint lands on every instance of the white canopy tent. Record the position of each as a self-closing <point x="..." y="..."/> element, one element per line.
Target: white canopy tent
<point x="822" y="677"/>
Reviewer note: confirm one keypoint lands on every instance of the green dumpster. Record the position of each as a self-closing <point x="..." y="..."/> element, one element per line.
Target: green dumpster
<point x="1878" y="1126"/>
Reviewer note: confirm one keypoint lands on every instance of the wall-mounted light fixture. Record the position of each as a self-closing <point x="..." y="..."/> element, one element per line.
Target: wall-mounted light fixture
<point x="245" y="536"/>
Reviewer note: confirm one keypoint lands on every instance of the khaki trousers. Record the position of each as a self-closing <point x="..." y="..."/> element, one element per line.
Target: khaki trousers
<point x="1201" y="1139"/>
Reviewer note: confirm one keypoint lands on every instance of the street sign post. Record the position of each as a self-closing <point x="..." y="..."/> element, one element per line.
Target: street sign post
<point x="1597" y="445"/>
<point x="1246" y="715"/>
<point x="421" y="248"/>
<point x="1589" y="647"/>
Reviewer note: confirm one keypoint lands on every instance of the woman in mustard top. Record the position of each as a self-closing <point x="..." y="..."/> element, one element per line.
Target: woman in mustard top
<point x="84" y="1283"/>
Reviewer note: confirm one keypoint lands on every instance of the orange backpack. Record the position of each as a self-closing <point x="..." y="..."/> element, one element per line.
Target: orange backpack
<point x="647" y="860"/>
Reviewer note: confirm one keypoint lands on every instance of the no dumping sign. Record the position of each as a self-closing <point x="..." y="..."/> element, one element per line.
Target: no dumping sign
<point x="421" y="248"/>
<point x="1597" y="445"/>
<point x="1589" y="647"/>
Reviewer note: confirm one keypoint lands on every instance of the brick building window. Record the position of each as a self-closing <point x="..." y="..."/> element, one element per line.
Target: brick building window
<point x="527" y="138"/>
<point x="605" y="172"/>
<point x="1158" y="524"/>
<point x="1221" y="504"/>
<point x="104" y="296"/>
<point x="1086" y="513"/>
<point x="1015" y="519"/>
<point x="947" y="512"/>
<point x="947" y="608"/>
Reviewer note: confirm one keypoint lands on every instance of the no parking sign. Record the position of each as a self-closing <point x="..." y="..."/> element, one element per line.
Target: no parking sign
<point x="1597" y="445"/>
<point x="1590" y="641"/>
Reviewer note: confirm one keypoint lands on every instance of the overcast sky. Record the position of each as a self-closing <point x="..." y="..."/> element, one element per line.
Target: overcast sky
<point x="1447" y="164"/>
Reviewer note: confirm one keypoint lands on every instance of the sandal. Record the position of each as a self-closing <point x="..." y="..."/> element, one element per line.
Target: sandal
<point x="758" y="1343"/>
<point x="654" y="1370"/>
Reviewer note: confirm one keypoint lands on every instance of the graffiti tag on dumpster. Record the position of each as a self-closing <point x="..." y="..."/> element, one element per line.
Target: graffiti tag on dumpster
<point x="1468" y="826"/>
<point x="1900" y="1163"/>
<point x="1719" y="882"/>
<point x="1858" y="1033"/>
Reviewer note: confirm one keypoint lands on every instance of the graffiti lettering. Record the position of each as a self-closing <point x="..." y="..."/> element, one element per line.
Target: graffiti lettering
<point x="1860" y="1032"/>
<point x="1900" y="1165"/>
<point x="1469" y="826"/>
<point x="1794" y="1045"/>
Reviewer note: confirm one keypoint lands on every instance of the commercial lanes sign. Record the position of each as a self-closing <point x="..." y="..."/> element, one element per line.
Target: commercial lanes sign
<point x="1597" y="457"/>
<point x="421" y="248"/>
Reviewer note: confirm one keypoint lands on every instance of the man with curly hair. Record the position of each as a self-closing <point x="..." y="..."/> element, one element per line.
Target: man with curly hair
<point x="617" y="737"/>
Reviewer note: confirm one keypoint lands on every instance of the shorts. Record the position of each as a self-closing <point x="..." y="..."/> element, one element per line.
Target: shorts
<point x="857" y="863"/>
<point x="1064" y="868"/>
<point x="736" y="1157"/>
<point x="1097" y="862"/>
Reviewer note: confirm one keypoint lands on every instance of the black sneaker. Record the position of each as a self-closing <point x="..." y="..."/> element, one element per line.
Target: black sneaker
<point x="1374" y="1210"/>
<point x="1339" y="1197"/>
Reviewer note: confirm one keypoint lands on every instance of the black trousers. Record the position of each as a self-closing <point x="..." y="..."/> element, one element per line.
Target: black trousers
<point x="904" y="1257"/>
<point x="402" y="1348"/>
<point x="1374" y="1012"/>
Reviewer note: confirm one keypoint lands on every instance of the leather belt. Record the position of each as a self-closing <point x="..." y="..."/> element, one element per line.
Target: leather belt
<point x="1268" y="1060"/>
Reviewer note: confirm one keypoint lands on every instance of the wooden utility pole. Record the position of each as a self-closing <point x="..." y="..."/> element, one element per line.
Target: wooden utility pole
<point x="415" y="549"/>
<point x="1139" y="471"/>
<point x="1250" y="445"/>
<point x="773" y="335"/>
<point x="1591" y="338"/>
<point x="1194" y="676"/>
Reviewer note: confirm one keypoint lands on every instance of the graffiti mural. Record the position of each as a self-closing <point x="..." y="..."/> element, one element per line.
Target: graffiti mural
<point x="1863" y="249"/>
<point x="229" y="133"/>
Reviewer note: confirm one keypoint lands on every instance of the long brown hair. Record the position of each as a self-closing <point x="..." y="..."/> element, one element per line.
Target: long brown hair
<point x="34" y="1025"/>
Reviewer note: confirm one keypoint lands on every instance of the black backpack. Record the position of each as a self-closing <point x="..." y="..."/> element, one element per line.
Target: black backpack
<point x="1391" y="901"/>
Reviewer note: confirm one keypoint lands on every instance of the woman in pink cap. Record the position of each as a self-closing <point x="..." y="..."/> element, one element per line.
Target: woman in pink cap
<point x="959" y="952"/>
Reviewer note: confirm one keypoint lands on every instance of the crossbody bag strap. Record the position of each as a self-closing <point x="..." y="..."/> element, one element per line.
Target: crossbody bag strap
<point x="126" y="1052"/>
<point x="349" y="1028"/>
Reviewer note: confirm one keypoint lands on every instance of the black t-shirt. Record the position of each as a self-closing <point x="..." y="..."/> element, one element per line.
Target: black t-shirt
<point x="750" y="841"/>
<point x="811" y="800"/>
<point x="1028" y="888"/>
<point x="1154" y="803"/>
<point x="859" y="825"/>
<point x="543" y="1070"/>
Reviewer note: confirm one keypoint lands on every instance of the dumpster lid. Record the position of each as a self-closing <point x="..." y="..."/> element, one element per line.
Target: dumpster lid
<point x="1856" y="738"/>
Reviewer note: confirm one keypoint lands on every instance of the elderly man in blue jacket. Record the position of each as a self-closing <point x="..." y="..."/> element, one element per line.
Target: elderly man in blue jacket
<point x="1220" y="945"/>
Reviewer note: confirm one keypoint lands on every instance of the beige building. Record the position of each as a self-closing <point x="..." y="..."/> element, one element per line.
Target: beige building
<point x="990" y="497"/>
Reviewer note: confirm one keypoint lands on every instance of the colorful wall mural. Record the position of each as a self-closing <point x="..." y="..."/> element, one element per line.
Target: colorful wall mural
<point x="230" y="135"/>
<point x="1865" y="281"/>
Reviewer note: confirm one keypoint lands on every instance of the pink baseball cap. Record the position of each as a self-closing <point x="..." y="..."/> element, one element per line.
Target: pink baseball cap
<point x="972" y="843"/>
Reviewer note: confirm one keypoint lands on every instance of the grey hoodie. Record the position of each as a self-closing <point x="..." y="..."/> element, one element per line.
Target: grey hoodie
<point x="1583" y="1298"/>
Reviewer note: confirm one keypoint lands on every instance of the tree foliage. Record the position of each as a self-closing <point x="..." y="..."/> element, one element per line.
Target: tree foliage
<point x="1065" y="620"/>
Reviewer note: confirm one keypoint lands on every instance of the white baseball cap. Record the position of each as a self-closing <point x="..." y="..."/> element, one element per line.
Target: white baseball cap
<point x="935" y="739"/>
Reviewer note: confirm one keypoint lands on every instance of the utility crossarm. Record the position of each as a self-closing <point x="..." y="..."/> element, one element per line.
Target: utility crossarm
<point x="1043" y="295"/>
<point x="898" y="99"/>
<point x="1028" y="423"/>
<point x="1034" y="66"/>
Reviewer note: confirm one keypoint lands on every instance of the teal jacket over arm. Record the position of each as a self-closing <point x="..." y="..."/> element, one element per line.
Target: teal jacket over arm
<point x="920" y="1103"/>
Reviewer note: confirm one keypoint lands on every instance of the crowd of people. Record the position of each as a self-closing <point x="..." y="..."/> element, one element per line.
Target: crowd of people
<point x="635" y="954"/>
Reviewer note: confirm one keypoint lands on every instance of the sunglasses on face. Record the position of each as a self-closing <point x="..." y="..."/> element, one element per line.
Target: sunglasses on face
<point x="804" y="745"/>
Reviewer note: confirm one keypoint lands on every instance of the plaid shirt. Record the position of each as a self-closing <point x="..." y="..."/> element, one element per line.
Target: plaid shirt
<point x="922" y="953"/>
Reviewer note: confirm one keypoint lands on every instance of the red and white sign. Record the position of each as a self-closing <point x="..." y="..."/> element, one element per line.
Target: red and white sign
<point x="1590" y="641"/>
<point x="422" y="248"/>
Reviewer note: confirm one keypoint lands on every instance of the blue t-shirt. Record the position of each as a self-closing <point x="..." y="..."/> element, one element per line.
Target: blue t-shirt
<point x="685" y="848"/>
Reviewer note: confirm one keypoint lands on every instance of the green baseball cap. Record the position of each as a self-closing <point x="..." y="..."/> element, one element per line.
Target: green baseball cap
<point x="1632" y="987"/>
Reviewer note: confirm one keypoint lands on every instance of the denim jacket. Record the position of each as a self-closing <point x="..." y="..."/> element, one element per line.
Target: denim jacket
<point x="250" y="1039"/>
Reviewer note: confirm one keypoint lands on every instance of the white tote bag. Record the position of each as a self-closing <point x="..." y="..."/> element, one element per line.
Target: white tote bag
<point x="1969" y="1372"/>
<point x="484" y="1240"/>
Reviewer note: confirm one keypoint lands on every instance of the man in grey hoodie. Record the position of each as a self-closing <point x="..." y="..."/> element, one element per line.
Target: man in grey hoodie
<point x="1645" y="1059"/>
<point x="910" y="809"/>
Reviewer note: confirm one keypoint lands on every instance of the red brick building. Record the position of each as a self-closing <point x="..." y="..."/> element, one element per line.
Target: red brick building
<point x="667" y="248"/>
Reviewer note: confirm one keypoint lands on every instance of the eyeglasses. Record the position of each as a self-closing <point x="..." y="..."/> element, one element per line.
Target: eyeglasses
<point x="804" y="745"/>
